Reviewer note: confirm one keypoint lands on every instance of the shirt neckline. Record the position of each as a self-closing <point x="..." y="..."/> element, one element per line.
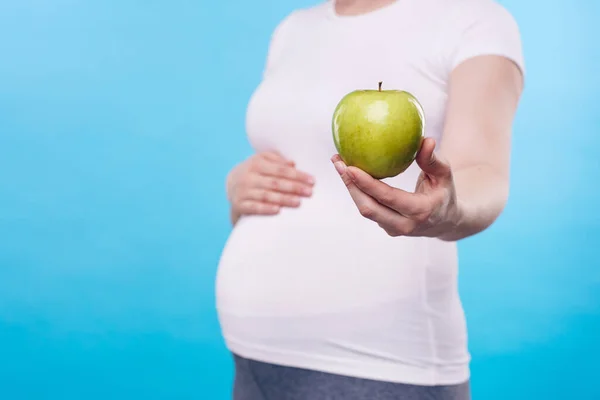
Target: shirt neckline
<point x="333" y="15"/>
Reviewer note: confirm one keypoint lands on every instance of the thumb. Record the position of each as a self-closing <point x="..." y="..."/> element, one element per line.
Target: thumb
<point x="430" y="163"/>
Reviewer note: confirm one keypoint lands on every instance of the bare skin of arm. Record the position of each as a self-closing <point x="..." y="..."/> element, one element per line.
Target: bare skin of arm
<point x="483" y="98"/>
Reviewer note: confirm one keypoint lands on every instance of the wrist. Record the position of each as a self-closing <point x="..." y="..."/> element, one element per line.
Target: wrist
<point x="234" y="215"/>
<point x="228" y="186"/>
<point x="454" y="223"/>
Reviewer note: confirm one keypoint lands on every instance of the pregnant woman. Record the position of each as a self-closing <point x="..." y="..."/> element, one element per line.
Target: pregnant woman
<point x="334" y="285"/>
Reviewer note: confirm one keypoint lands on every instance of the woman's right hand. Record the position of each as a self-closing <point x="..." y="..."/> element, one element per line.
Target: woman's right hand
<point x="265" y="183"/>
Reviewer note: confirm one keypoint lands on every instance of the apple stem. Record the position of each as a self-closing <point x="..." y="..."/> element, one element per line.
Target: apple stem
<point x="380" y="83"/>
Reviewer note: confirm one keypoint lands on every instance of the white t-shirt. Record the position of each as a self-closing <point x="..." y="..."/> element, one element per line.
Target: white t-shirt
<point x="321" y="287"/>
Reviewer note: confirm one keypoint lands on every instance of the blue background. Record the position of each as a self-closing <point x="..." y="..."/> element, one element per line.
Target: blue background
<point x="118" y="123"/>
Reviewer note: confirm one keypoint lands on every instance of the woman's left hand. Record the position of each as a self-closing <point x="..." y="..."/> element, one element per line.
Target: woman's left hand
<point x="432" y="209"/>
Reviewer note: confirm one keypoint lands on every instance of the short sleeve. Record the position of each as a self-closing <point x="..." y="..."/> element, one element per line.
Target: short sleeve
<point x="279" y="37"/>
<point x="488" y="29"/>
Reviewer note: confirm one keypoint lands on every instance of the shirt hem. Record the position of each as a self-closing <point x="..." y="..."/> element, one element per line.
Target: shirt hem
<point x="396" y="373"/>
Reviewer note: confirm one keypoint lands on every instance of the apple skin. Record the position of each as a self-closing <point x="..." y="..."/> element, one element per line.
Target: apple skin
<point x="378" y="131"/>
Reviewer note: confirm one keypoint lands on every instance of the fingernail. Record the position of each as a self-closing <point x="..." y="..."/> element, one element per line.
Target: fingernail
<point x="306" y="191"/>
<point x="339" y="167"/>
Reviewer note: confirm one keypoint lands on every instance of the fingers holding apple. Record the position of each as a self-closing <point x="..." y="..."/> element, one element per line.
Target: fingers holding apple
<point x="369" y="206"/>
<point x="424" y="212"/>
<point x="434" y="167"/>
<point x="392" y="209"/>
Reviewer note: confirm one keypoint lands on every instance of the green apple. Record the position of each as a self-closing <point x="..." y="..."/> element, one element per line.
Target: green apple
<point x="378" y="131"/>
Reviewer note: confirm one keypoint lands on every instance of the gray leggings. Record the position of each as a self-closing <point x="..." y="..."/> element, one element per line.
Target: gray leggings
<point x="261" y="381"/>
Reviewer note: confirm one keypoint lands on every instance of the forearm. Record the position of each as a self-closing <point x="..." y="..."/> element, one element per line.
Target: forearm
<point x="482" y="193"/>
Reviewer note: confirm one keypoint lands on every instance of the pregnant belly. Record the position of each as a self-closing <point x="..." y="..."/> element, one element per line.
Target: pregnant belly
<point x="322" y="257"/>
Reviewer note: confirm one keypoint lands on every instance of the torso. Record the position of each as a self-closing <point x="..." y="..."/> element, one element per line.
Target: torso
<point x="321" y="287"/>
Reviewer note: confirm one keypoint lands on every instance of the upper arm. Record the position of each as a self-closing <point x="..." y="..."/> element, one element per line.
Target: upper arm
<point x="483" y="97"/>
<point x="484" y="88"/>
